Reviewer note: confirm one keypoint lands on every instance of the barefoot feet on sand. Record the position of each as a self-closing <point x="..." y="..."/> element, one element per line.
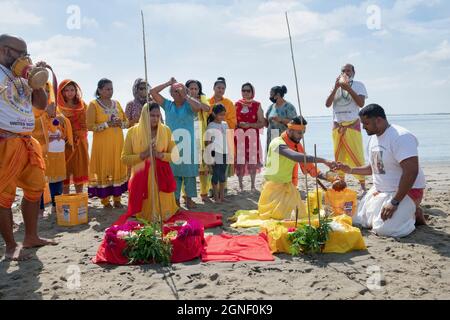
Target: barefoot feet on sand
<point x="420" y="218"/>
<point x="206" y="199"/>
<point x="38" y="242"/>
<point x="15" y="253"/>
<point x="190" y="204"/>
<point x="118" y="205"/>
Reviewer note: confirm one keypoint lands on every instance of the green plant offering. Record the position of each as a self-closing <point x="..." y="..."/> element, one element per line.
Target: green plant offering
<point x="147" y="246"/>
<point x="308" y="239"/>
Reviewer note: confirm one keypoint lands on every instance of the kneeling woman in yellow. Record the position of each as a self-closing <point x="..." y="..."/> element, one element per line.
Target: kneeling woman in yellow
<point x="151" y="191"/>
<point x="107" y="174"/>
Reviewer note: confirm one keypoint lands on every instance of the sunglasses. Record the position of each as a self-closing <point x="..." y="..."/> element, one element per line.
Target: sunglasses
<point x="20" y="52"/>
<point x="142" y="89"/>
<point x="345" y="70"/>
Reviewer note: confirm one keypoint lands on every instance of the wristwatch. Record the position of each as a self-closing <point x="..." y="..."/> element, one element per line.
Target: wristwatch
<point x="395" y="203"/>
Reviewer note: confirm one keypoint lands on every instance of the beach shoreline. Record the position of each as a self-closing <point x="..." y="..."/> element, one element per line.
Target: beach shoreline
<point x="415" y="267"/>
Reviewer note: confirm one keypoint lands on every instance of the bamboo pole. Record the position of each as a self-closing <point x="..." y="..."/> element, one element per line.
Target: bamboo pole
<point x="154" y="183"/>
<point x="301" y="115"/>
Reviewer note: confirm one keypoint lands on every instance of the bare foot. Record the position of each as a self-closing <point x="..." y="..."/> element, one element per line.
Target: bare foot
<point x="254" y="190"/>
<point x="16" y="253"/>
<point x="205" y="199"/>
<point x="118" y="205"/>
<point x="191" y="204"/>
<point x="218" y="201"/>
<point x="38" y="242"/>
<point x="420" y="218"/>
<point x="107" y="206"/>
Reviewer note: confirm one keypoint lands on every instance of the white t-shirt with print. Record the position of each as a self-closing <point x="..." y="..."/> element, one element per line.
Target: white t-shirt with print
<point x="344" y="107"/>
<point x="217" y="134"/>
<point x="16" y="112"/>
<point x="56" y="146"/>
<point x="386" y="152"/>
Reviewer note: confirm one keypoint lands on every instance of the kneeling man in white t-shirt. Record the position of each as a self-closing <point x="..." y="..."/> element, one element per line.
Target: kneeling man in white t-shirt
<point x="391" y="208"/>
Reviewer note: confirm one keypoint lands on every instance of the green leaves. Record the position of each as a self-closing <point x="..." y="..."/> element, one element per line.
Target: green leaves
<point x="308" y="239"/>
<point x="147" y="246"/>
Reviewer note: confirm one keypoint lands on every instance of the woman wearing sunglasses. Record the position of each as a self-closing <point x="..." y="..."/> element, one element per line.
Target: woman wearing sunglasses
<point x="250" y="119"/>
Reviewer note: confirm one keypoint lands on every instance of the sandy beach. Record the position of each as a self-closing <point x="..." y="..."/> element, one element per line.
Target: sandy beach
<point x="415" y="267"/>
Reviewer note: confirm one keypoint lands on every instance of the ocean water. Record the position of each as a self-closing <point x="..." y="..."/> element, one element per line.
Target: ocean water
<point x="432" y="131"/>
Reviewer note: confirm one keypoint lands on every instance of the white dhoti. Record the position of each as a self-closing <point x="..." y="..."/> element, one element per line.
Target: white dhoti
<point x="400" y="225"/>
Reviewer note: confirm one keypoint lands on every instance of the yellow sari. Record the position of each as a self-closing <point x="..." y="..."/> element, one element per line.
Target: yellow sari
<point x="138" y="141"/>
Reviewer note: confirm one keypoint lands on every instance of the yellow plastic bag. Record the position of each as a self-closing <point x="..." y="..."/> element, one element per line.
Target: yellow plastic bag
<point x="342" y="202"/>
<point x="312" y="200"/>
<point x="344" y="237"/>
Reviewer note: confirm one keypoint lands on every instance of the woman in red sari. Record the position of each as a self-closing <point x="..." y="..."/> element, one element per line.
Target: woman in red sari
<point x="250" y="119"/>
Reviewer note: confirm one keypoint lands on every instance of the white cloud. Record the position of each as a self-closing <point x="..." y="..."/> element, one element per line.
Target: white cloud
<point x="354" y="55"/>
<point x="332" y="36"/>
<point x="62" y="52"/>
<point x="440" y="54"/>
<point x="305" y="24"/>
<point x="12" y="14"/>
<point x="119" y="24"/>
<point x="89" y="22"/>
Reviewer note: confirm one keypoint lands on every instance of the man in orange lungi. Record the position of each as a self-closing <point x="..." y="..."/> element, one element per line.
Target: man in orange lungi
<point x="21" y="162"/>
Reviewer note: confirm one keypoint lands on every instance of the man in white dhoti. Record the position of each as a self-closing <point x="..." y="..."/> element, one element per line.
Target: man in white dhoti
<point x="391" y="208"/>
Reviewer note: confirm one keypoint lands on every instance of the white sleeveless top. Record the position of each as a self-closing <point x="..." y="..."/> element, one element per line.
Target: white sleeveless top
<point x="16" y="111"/>
<point x="344" y="107"/>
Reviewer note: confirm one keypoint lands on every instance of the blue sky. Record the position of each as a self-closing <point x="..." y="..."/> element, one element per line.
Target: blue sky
<point x="405" y="63"/>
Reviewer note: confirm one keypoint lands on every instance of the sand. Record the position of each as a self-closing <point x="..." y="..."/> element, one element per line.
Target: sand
<point x="415" y="267"/>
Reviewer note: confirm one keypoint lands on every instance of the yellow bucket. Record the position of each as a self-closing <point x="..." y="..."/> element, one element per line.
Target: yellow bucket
<point x="342" y="202"/>
<point x="72" y="210"/>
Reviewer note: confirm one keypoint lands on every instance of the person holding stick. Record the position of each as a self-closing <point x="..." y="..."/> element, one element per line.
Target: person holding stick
<point x="280" y="197"/>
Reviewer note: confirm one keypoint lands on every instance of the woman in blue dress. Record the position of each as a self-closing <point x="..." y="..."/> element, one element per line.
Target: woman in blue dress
<point x="180" y="114"/>
<point x="279" y="114"/>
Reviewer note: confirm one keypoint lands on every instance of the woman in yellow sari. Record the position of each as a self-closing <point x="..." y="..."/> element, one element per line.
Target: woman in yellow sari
<point x="107" y="174"/>
<point x="151" y="193"/>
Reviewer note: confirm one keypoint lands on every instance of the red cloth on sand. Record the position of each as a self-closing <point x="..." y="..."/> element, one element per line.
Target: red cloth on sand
<point x="229" y="248"/>
<point x="138" y="187"/>
<point x="209" y="220"/>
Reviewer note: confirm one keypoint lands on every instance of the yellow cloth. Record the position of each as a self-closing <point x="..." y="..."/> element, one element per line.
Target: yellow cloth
<point x="136" y="142"/>
<point x="44" y="124"/>
<point x="204" y="176"/>
<point x="105" y="168"/>
<point x="344" y="237"/>
<point x="348" y="147"/>
<point x="230" y="117"/>
<point x="55" y="163"/>
<point x="279" y="200"/>
<point x="248" y="219"/>
<point x="55" y="167"/>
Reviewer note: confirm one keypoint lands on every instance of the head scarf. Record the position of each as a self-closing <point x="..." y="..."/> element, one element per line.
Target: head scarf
<point x="136" y="85"/>
<point x="243" y="101"/>
<point x="62" y="102"/>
